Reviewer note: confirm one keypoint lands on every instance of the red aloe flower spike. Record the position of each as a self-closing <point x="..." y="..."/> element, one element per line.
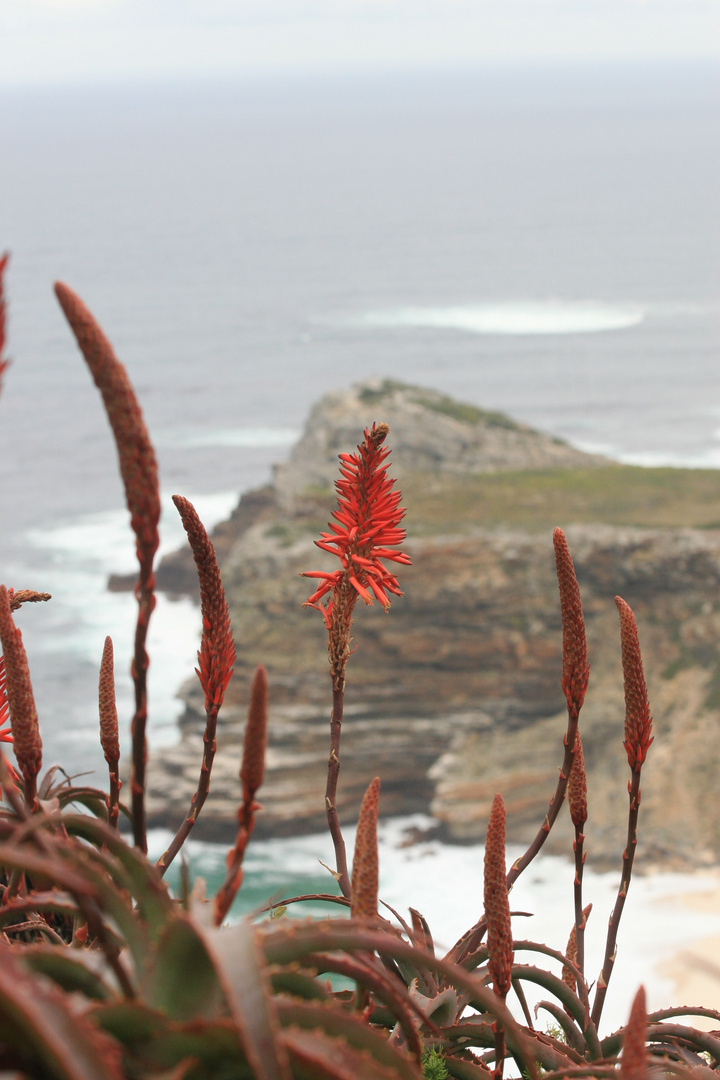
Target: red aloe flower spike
<point x="252" y="772"/>
<point x="216" y="658"/>
<point x="364" y="895"/>
<point x="109" y="729"/>
<point x="577" y="786"/>
<point x="369" y="515"/>
<point x="138" y="468"/>
<point x="638" y="721"/>
<point x="633" y="1063"/>
<point x="27" y="743"/>
<point x="497" y="905"/>
<point x="3" y="363"/>
<point x="576" y="669"/>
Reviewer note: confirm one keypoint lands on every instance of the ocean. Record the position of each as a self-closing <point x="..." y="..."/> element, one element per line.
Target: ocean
<point x="542" y="241"/>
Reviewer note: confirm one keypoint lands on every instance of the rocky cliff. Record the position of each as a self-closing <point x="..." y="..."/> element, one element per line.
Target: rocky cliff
<point x="455" y="694"/>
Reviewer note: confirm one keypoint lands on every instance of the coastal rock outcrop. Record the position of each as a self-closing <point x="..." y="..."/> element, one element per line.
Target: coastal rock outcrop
<point x="456" y="693"/>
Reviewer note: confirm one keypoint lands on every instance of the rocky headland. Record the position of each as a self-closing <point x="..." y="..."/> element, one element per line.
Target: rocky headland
<point x="456" y="693"/>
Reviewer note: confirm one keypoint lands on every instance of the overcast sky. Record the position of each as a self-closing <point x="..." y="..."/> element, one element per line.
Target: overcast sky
<point x="85" y="40"/>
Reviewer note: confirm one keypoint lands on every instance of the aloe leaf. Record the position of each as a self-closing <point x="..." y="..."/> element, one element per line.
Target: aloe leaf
<point x="151" y="895"/>
<point x="299" y="984"/>
<point x="37" y="1020"/>
<point x="315" y="1056"/>
<point x="464" y="1070"/>
<point x="252" y="1006"/>
<point x="72" y="971"/>
<point x="285" y="944"/>
<point x="151" y="1041"/>
<point x="354" y="1031"/>
<point x="182" y="980"/>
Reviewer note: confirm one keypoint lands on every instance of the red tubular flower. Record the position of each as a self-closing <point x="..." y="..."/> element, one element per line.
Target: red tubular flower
<point x="638" y="721"/>
<point x="576" y="669"/>
<point x="364" y="534"/>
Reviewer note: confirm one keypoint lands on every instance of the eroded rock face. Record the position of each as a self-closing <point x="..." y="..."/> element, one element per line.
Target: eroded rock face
<point x="456" y="693"/>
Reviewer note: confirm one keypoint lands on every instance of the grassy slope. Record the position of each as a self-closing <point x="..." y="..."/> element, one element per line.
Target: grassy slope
<point x="612" y="494"/>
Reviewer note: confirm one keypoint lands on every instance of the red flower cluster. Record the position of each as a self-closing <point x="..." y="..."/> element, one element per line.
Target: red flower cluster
<point x="368" y="518"/>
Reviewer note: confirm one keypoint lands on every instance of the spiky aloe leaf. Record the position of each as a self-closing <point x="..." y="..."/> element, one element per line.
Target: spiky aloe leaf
<point x="242" y="960"/>
<point x="38" y="1021"/>
<point x="182" y="981"/>
<point x="73" y="971"/>
<point x="152" y="1042"/>
<point x="334" y="1021"/>
<point x="316" y="1056"/>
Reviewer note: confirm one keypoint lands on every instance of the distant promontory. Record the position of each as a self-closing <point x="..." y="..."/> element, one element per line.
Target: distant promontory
<point x="456" y="693"/>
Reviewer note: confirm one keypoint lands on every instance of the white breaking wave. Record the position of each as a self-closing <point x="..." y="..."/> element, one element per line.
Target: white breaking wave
<point x="248" y="438"/>
<point x="517" y="317"/>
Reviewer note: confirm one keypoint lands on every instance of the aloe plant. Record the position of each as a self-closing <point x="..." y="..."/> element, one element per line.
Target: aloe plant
<point x="105" y="975"/>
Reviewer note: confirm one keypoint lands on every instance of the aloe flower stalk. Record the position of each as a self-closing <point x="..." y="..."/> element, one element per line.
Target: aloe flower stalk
<point x="138" y="468"/>
<point x="574" y="681"/>
<point x="577" y="801"/>
<point x="215" y="658"/>
<point x="497" y="916"/>
<point x="364" y="896"/>
<point x="109" y="729"/>
<point x="638" y="727"/>
<point x="364" y="535"/>
<point x="27" y="743"/>
<point x="252" y="773"/>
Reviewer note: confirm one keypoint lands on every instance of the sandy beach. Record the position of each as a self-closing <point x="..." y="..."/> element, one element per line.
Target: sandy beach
<point x="694" y="970"/>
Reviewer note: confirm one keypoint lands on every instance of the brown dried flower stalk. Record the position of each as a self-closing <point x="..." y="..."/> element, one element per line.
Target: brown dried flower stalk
<point x="216" y="658"/>
<point x="497" y="916"/>
<point x="27" y="743"/>
<point x="497" y="905"/>
<point x="576" y="669"/>
<point x="633" y="1063"/>
<point x="138" y="468"/>
<point x="252" y="772"/>
<point x="109" y="729"/>
<point x="638" y="721"/>
<point x="364" y="895"/>
<point x="577" y="787"/>
<point x="26" y="596"/>
<point x="638" y="725"/>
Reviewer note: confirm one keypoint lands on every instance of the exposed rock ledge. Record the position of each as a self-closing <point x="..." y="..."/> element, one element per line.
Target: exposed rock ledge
<point x="455" y="695"/>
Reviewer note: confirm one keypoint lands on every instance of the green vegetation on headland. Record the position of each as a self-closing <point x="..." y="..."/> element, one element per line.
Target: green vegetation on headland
<point x="536" y="501"/>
